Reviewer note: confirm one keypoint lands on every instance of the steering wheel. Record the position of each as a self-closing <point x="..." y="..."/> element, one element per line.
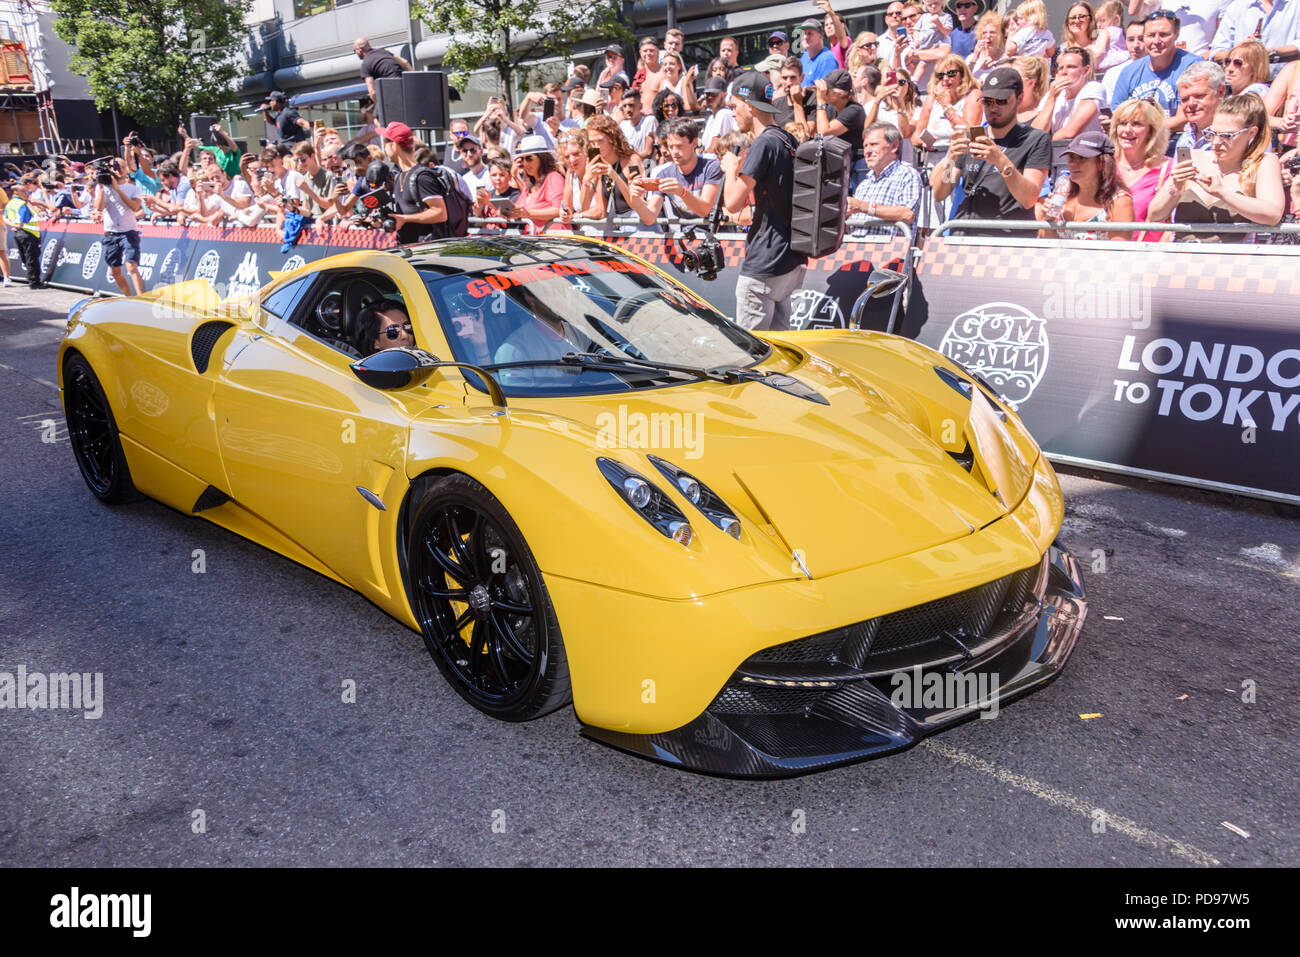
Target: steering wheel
<point x="618" y="340"/>
<point x="329" y="313"/>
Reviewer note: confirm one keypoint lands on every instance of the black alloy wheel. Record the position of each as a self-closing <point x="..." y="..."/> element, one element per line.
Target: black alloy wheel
<point x="92" y="432"/>
<point x="482" y="606"/>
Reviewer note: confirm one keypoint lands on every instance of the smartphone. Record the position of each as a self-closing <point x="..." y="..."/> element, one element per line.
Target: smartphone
<point x="902" y="31"/>
<point x="1184" y="154"/>
<point x="891" y="76"/>
<point x="978" y="133"/>
<point x="592" y="154"/>
<point x="548" y="108"/>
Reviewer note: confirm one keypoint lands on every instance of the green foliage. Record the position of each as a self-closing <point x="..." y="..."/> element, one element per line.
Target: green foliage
<point x="507" y="33"/>
<point x="155" y="59"/>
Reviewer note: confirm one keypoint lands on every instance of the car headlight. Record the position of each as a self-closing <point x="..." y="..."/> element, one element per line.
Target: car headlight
<point x="709" y="502"/>
<point x="647" y="500"/>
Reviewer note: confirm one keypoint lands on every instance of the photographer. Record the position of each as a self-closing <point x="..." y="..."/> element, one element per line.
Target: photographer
<point x="772" y="272"/>
<point x="120" y="201"/>
<point x="420" y="193"/>
<point x="224" y="150"/>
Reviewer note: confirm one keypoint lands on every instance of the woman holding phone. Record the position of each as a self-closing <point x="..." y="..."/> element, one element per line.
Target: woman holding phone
<point x="541" y="187"/>
<point x="611" y="164"/>
<point x="1237" y="181"/>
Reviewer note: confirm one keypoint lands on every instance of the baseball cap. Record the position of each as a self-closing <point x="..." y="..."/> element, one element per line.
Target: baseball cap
<point x="755" y="89"/>
<point x="778" y="35"/>
<point x="772" y="61"/>
<point x="573" y="84"/>
<point x="592" y="98"/>
<point x="840" y="80"/>
<point x="715" y="84"/>
<point x="1002" y="84"/>
<point x="1093" y="143"/>
<point x="615" y="49"/>
<point x="468" y="138"/>
<point x="618" y="79"/>
<point x="399" y="133"/>
<point x="812" y="23"/>
<point x="275" y="95"/>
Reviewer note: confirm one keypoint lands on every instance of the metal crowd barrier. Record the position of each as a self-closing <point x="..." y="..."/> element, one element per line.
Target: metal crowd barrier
<point x="1034" y="225"/>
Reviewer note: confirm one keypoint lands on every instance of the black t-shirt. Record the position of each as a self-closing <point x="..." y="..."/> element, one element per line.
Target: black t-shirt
<point x="770" y="162"/>
<point x="287" y="128"/>
<point x="987" y="196"/>
<point x="413" y="187"/>
<point x="380" y="63"/>
<point x="785" y="109"/>
<point x="854" y="119"/>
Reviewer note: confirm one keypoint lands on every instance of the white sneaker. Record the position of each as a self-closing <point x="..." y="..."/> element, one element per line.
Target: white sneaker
<point x="7" y="282"/>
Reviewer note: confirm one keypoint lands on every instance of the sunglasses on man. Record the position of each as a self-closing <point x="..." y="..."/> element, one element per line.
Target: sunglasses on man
<point x="395" y="332"/>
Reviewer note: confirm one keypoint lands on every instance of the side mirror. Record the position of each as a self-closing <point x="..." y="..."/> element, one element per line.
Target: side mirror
<point x="402" y="368"/>
<point x="880" y="283"/>
<point x="395" y="368"/>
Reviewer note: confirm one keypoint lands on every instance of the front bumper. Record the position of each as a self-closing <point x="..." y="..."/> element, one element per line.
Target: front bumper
<point x="789" y="713"/>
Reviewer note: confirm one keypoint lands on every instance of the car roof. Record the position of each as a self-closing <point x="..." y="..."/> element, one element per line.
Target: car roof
<point x="469" y="254"/>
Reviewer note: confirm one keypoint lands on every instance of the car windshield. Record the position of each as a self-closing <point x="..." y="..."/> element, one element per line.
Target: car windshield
<point x="616" y="309"/>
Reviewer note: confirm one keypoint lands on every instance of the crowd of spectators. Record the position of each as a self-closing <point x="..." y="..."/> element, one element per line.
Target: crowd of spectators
<point x="1126" y="112"/>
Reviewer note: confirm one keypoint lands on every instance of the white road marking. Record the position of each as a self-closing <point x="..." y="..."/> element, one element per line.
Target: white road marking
<point x="47" y="382"/>
<point x="1130" y="829"/>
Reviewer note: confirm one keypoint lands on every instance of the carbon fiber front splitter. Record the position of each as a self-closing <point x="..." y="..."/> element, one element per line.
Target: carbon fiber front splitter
<point x="861" y="720"/>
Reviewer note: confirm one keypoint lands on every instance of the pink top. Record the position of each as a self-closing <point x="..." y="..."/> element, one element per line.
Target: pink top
<point x="548" y="193"/>
<point x="1143" y="190"/>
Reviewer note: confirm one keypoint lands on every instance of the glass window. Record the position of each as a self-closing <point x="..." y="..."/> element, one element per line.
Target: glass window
<point x="608" y="305"/>
<point x="281" y="302"/>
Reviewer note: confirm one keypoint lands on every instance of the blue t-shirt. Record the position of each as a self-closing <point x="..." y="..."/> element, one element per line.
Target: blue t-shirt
<point x="816" y="69"/>
<point x="1140" y="82"/>
<point x="962" y="41"/>
<point x="146" y="182"/>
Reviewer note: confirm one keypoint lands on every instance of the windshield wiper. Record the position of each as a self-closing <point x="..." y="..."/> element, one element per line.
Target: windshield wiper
<point x="579" y="362"/>
<point x="593" y="359"/>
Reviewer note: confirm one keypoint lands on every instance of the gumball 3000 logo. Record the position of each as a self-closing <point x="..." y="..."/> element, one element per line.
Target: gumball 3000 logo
<point x="292" y="263"/>
<point x="810" y="309"/>
<point x="208" y="267"/>
<point x="1003" y="342"/>
<point x="47" y="256"/>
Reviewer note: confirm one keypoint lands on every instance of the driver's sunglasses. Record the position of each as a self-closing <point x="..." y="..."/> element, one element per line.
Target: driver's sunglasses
<point x="394" y="332"/>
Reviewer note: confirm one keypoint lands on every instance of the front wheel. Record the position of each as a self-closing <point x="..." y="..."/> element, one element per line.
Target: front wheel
<point x="482" y="606"/>
<point x="92" y="432"/>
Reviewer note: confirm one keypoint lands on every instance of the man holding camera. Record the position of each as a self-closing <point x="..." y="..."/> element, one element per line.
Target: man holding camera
<point x="119" y="201"/>
<point x="772" y="272"/>
<point x="419" y="193"/>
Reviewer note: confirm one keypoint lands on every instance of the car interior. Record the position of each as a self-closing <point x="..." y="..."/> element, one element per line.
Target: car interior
<point x="329" y="308"/>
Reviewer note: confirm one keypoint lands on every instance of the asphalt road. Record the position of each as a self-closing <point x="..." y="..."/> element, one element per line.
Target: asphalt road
<point x="222" y="694"/>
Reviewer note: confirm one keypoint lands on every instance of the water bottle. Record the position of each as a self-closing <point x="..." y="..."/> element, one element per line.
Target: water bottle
<point x="1056" y="201"/>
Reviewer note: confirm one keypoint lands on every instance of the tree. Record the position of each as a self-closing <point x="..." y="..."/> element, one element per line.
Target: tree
<point x="506" y="34"/>
<point x="155" y="60"/>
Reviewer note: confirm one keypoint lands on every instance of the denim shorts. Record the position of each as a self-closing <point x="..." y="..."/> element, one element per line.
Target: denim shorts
<point x="122" y="247"/>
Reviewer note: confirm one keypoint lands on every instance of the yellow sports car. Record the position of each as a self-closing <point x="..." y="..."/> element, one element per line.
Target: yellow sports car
<point x="751" y="555"/>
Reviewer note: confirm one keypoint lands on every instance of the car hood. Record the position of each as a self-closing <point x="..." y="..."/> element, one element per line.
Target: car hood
<point x="862" y="479"/>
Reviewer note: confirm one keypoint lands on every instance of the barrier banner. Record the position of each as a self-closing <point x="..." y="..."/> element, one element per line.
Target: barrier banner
<point x="1179" y="359"/>
<point x="831" y="285"/>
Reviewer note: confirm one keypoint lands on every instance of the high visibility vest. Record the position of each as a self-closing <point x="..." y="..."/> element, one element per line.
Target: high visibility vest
<point x="12" y="209"/>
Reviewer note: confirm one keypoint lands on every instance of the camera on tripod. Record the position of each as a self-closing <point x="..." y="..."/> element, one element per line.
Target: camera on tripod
<point x="702" y="253"/>
<point x="375" y="208"/>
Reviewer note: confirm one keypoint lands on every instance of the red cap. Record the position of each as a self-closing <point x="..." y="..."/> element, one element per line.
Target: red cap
<point x="399" y="133"/>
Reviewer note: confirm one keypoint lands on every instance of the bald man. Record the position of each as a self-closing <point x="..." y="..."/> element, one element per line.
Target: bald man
<point x="376" y="63"/>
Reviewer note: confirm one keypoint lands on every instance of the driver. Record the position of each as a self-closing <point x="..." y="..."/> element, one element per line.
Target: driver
<point x="544" y="335"/>
<point x="383" y="325"/>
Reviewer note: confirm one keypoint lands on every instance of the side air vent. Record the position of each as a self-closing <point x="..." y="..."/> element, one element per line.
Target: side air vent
<point x="965" y="458"/>
<point x="205" y="338"/>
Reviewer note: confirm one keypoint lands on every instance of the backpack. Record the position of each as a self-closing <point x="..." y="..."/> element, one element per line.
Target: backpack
<point x="458" y="208"/>
<point x="820" y="200"/>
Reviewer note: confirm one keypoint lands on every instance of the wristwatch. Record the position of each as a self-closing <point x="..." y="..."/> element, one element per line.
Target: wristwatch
<point x="1008" y="169"/>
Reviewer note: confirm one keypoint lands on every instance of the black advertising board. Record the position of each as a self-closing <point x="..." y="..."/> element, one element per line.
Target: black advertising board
<point x="1176" y="359"/>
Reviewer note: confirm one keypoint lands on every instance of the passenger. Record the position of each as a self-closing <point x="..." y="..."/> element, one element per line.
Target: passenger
<point x="384" y="325"/>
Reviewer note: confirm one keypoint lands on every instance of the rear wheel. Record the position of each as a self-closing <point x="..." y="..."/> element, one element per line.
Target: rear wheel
<point x="482" y="606"/>
<point x="93" y="434"/>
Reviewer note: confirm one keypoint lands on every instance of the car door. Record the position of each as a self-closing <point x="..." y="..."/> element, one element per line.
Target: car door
<point x="309" y="448"/>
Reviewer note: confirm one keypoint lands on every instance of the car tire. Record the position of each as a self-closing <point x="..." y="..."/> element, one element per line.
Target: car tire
<point x="481" y="604"/>
<point x="92" y="432"/>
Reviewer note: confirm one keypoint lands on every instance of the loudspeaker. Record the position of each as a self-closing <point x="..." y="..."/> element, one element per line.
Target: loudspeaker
<point x="389" y="100"/>
<point x="201" y="128"/>
<point x="428" y="106"/>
